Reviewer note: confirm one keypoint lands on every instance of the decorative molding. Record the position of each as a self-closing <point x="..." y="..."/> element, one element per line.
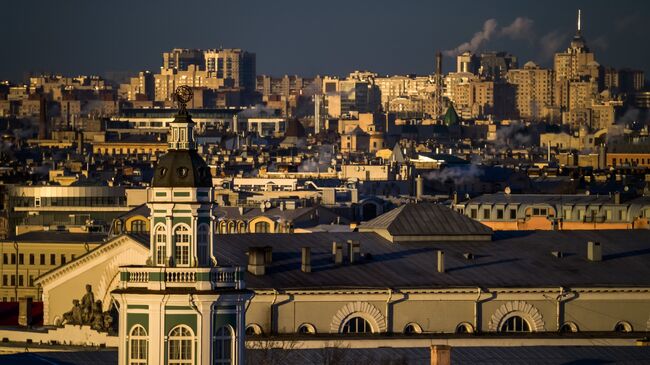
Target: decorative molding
<point x="520" y="308"/>
<point x="362" y="309"/>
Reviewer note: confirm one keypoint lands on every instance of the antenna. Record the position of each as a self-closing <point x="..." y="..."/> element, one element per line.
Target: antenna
<point x="579" y="16"/>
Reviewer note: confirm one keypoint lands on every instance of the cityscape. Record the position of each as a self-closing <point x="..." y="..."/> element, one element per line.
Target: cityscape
<point x="493" y="208"/>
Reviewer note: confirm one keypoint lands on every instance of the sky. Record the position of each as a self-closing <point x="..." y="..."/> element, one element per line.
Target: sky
<point x="310" y="38"/>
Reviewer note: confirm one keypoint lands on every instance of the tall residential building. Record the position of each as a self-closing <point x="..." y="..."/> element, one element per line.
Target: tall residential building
<point x="533" y="90"/>
<point x="495" y="65"/>
<point x="235" y="66"/>
<point x="180" y="59"/>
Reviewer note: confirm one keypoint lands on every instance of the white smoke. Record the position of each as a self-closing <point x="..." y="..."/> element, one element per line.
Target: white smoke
<point x="480" y="37"/>
<point x="257" y="111"/>
<point x="513" y="135"/>
<point x="458" y="175"/>
<point x="550" y="43"/>
<point x="520" y="28"/>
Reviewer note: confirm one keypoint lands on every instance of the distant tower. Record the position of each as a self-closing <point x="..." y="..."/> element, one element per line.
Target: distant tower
<point x="317" y="112"/>
<point x="439" y="90"/>
<point x="181" y="307"/>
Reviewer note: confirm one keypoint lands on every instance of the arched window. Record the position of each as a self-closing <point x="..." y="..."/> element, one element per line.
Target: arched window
<point x="412" y="329"/>
<point x="138" y="344"/>
<point x="180" y="349"/>
<point x="138" y="226"/>
<point x="223" y="345"/>
<point x="232" y="227"/>
<point x="182" y="241"/>
<point x="307" y="329"/>
<point x="203" y="241"/>
<point x="464" y="328"/>
<point x="160" y="237"/>
<point x="515" y="324"/>
<point x="253" y="330"/>
<point x="356" y="325"/>
<point x="223" y="227"/>
<point x="118" y="226"/>
<point x="623" y="327"/>
<point x="262" y="227"/>
<point x="241" y="227"/>
<point x="569" y="327"/>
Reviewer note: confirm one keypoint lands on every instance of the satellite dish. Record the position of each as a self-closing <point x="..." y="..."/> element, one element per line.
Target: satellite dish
<point x="626" y="188"/>
<point x="267" y="204"/>
<point x="507" y="190"/>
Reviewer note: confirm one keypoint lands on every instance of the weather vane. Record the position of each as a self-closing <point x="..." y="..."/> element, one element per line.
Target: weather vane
<point x="183" y="95"/>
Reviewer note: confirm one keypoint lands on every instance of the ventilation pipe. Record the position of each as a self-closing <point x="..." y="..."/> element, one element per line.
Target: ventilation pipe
<point x="594" y="251"/>
<point x="306" y="259"/>
<point x="441" y="261"/>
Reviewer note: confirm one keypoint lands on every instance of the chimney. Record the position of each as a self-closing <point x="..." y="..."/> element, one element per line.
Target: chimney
<point x="441" y="261"/>
<point x="354" y="195"/>
<point x="354" y="251"/>
<point x="337" y="252"/>
<point x="419" y="187"/>
<point x="25" y="311"/>
<point x="617" y="197"/>
<point x="454" y="197"/>
<point x="594" y="251"/>
<point x="440" y="355"/>
<point x="256" y="261"/>
<point x="241" y="210"/>
<point x="306" y="259"/>
<point x="268" y="255"/>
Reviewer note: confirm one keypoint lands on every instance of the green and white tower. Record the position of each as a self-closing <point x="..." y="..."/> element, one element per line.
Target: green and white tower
<point x="182" y="307"/>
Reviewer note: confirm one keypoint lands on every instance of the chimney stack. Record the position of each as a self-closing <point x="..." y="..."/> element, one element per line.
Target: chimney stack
<point x="594" y="251"/>
<point x="617" y="197"/>
<point x="306" y="259"/>
<point x="441" y="261"/>
<point x="419" y="187"/>
<point x="440" y="355"/>
<point x="354" y="251"/>
<point x="256" y="262"/>
<point x="337" y="252"/>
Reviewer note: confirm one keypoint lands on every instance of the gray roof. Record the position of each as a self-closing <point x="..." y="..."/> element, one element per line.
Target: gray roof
<point x="424" y="219"/>
<point x="59" y="237"/>
<point x="512" y="259"/>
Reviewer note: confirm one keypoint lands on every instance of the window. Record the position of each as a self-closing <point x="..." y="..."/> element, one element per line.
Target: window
<point x="180" y="346"/>
<point x="13" y="281"/>
<point x="540" y="212"/>
<point x="20" y="280"/>
<point x="182" y="240"/>
<point x="223" y="345"/>
<point x="357" y="325"/>
<point x="31" y="259"/>
<point x="513" y="213"/>
<point x="5" y="280"/>
<point x="203" y="241"/>
<point x="161" y="245"/>
<point x="13" y="258"/>
<point x="262" y="227"/>
<point x="21" y="259"/>
<point x="52" y="259"/>
<point x="307" y="329"/>
<point x="473" y="213"/>
<point x="253" y="330"/>
<point x="623" y="327"/>
<point x="31" y="280"/>
<point x="5" y="259"/>
<point x="62" y="259"/>
<point x="138" y="342"/>
<point x="568" y="327"/>
<point x="42" y="259"/>
<point x="138" y="226"/>
<point x="515" y="324"/>
<point x="464" y="328"/>
<point x="412" y="329"/>
<point x="499" y="213"/>
<point x="486" y="213"/>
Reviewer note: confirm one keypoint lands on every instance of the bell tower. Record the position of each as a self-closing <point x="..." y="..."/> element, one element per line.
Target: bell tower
<point x="181" y="307"/>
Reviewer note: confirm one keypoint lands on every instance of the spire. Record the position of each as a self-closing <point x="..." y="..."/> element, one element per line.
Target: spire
<point x="579" y="19"/>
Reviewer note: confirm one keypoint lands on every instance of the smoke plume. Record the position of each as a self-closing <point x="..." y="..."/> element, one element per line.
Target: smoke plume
<point x="520" y="28"/>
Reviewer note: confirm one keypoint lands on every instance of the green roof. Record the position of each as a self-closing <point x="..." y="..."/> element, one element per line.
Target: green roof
<point x="451" y="117"/>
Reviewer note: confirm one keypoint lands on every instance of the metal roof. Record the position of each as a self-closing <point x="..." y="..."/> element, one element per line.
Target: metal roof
<point x="512" y="259"/>
<point x="58" y="237"/>
<point x="550" y="199"/>
<point x="426" y="219"/>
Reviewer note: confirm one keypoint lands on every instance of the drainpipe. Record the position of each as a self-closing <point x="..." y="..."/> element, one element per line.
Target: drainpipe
<point x="275" y="298"/>
<point x="558" y="310"/>
<point x="389" y="322"/>
<point x="479" y="291"/>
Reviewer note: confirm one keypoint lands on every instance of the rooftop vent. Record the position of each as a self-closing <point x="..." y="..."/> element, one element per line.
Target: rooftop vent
<point x="468" y="256"/>
<point x="441" y="261"/>
<point x="256" y="260"/>
<point x="557" y="254"/>
<point x="594" y="251"/>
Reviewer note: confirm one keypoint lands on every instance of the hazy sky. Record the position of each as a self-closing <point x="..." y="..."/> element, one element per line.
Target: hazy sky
<point x="310" y="37"/>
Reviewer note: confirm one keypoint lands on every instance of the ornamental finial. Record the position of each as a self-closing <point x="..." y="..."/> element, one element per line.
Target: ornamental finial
<point x="183" y="95"/>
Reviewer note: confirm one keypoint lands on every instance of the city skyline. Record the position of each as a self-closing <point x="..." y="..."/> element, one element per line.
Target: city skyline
<point x="133" y="37"/>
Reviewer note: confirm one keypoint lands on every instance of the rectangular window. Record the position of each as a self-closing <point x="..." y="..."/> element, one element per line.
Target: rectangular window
<point x="21" y="259"/>
<point x="499" y="213"/>
<point x="42" y="258"/>
<point x="31" y="259"/>
<point x="473" y="213"/>
<point x="52" y="259"/>
<point x="5" y="280"/>
<point x="486" y="213"/>
<point x="13" y="280"/>
<point x="513" y="213"/>
<point x="31" y="280"/>
<point x="5" y="259"/>
<point x="13" y="258"/>
<point x="62" y="259"/>
<point x="20" y="280"/>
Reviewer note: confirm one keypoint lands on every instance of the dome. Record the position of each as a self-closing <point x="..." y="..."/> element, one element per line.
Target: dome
<point x="182" y="169"/>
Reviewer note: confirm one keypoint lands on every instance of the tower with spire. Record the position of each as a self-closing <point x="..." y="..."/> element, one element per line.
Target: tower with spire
<point x="182" y="306"/>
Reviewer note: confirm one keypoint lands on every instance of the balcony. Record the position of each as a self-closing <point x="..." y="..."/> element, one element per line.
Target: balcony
<point x="199" y="278"/>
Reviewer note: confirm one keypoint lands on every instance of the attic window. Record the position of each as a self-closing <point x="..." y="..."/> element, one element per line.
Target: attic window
<point x="182" y="171"/>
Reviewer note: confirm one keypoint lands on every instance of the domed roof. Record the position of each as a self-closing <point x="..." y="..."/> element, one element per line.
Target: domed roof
<point x="182" y="169"/>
